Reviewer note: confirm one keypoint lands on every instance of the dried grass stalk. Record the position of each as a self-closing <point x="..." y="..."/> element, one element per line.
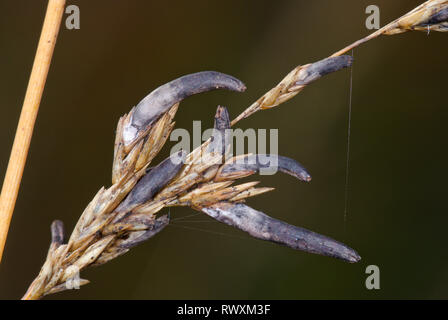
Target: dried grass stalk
<point x="28" y="115"/>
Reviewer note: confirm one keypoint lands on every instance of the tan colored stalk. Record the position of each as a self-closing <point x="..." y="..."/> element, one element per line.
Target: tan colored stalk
<point x="30" y="108"/>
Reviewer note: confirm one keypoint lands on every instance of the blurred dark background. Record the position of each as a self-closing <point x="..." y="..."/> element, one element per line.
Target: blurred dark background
<point x="397" y="193"/>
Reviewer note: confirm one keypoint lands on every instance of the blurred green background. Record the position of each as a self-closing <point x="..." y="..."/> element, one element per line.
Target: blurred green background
<point x="397" y="193"/>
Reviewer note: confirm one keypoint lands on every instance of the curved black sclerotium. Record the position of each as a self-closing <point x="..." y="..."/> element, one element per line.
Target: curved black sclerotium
<point x="153" y="181"/>
<point x="264" y="227"/>
<point x="263" y="163"/>
<point x="164" y="97"/>
<point x="220" y="139"/>
<point x="323" y="67"/>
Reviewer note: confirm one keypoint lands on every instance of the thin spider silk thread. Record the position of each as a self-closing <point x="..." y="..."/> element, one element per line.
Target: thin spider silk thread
<point x="209" y="231"/>
<point x="176" y="223"/>
<point x="186" y="217"/>
<point x="347" y="168"/>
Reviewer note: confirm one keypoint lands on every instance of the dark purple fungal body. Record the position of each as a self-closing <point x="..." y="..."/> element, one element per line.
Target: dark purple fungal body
<point x="261" y="226"/>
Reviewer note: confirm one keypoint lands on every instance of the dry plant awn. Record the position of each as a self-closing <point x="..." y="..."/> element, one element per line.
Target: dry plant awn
<point x="126" y="214"/>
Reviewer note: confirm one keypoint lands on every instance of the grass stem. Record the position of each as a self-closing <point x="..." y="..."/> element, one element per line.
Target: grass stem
<point x="30" y="108"/>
